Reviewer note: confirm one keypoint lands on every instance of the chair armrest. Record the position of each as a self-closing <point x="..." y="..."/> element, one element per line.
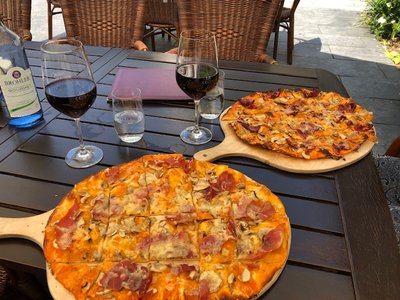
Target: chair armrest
<point x="139" y="45"/>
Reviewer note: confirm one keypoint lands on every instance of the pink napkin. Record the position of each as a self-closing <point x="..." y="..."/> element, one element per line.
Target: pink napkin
<point x="156" y="84"/>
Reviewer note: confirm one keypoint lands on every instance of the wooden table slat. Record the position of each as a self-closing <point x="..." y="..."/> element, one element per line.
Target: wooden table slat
<point x="36" y="195"/>
<point x="376" y="231"/>
<point x="312" y="214"/>
<point x="44" y="168"/>
<point x="310" y="284"/>
<point x="330" y="252"/>
<point x="14" y="138"/>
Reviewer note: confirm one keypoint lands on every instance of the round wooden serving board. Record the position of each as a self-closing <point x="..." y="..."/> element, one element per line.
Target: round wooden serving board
<point x="232" y="145"/>
<point x="32" y="228"/>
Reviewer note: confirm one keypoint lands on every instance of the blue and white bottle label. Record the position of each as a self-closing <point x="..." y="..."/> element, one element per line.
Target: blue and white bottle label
<point x="19" y="92"/>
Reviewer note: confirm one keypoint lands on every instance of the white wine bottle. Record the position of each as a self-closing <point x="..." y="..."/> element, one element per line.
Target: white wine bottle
<point x="18" y="94"/>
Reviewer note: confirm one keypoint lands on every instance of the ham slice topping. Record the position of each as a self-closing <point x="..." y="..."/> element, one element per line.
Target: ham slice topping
<point x="310" y="93"/>
<point x="204" y="290"/>
<point x="305" y="129"/>
<point x="182" y="269"/>
<point x="271" y="241"/>
<point x="185" y="218"/>
<point x="128" y="275"/>
<point x="70" y="218"/>
<point x="100" y="210"/>
<point x="113" y="174"/>
<point x="254" y="209"/>
<point x="363" y="127"/>
<point x="291" y="110"/>
<point x="211" y="244"/>
<point x="343" y="145"/>
<point x="348" y="107"/>
<point x="248" y="103"/>
<point x="251" y="128"/>
<point x="225" y="182"/>
<point x="339" y="118"/>
<point x="174" y="162"/>
<point x="258" y="210"/>
<point x="66" y="226"/>
<point x="275" y="94"/>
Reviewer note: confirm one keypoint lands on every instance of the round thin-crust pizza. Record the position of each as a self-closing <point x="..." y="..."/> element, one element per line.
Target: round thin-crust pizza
<point x="163" y="227"/>
<point x="302" y="123"/>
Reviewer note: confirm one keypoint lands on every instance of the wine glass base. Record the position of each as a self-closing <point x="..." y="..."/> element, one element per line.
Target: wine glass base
<point x="196" y="136"/>
<point x="84" y="159"/>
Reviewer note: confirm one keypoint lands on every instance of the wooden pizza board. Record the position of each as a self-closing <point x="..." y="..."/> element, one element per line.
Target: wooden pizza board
<point x="32" y="228"/>
<point x="232" y="145"/>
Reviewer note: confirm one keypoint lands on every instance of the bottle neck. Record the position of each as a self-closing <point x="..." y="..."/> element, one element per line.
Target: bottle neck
<point x="7" y="36"/>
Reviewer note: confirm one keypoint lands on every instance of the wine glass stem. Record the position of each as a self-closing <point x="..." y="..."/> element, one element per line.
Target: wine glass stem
<point x="82" y="149"/>
<point x="196" y="114"/>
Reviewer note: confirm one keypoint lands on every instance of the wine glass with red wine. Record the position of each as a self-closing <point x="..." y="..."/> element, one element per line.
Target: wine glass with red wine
<point x="196" y="73"/>
<point x="70" y="88"/>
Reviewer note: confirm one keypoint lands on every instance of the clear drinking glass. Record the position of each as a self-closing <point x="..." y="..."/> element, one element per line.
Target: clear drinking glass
<point x="128" y="114"/>
<point x="196" y="73"/>
<point x="70" y="88"/>
<point x="212" y="104"/>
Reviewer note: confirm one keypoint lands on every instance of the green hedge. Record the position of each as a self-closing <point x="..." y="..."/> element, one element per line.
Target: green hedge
<point x="383" y="18"/>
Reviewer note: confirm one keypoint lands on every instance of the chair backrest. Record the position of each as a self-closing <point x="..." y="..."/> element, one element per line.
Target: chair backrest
<point x="287" y="13"/>
<point x="242" y="28"/>
<point x="161" y="12"/>
<point x="16" y="15"/>
<point x="55" y="2"/>
<point x="293" y="8"/>
<point x="112" y="23"/>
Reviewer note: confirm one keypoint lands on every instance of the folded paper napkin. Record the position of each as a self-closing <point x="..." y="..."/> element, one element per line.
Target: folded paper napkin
<point x="155" y="84"/>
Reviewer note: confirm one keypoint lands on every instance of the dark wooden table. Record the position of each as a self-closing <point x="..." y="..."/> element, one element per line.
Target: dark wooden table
<point x="343" y="242"/>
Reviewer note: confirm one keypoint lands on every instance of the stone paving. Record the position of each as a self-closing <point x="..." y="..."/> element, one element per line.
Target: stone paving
<point x="328" y="35"/>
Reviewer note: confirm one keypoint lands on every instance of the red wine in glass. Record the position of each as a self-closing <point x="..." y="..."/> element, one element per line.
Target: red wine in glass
<point x="69" y="88"/>
<point x="196" y="79"/>
<point x="71" y="96"/>
<point x="196" y="74"/>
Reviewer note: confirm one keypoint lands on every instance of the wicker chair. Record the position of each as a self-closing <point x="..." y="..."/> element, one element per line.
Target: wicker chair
<point x="286" y="21"/>
<point x="16" y="15"/>
<point x="242" y="28"/>
<point x="110" y="23"/>
<point x="53" y="8"/>
<point x="162" y="18"/>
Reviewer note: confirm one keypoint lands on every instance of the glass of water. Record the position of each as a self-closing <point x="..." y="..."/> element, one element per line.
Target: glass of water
<point x="128" y="113"/>
<point x="212" y="104"/>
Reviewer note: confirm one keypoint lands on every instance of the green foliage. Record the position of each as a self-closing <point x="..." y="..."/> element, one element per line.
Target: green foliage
<point x="383" y="18"/>
<point x="394" y="55"/>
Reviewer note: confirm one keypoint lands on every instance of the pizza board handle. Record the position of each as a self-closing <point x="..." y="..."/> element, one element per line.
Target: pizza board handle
<point x="214" y="153"/>
<point x="31" y="228"/>
<point x="230" y="146"/>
